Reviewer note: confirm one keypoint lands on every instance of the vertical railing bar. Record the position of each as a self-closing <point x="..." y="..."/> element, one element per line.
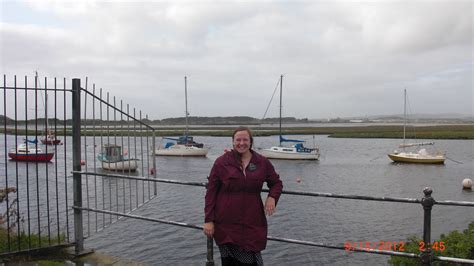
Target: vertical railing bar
<point x="108" y="143"/>
<point x="85" y="155"/>
<point x="115" y="143"/>
<point x="123" y="153"/>
<point x="6" y="159"/>
<point x="16" y="168"/>
<point x="27" y="165"/>
<point x="115" y="122"/>
<point x="129" y="151"/>
<point x="141" y="161"/>
<point x="154" y="163"/>
<point x="46" y="165"/>
<point x="56" y="154"/>
<point x="210" y="251"/>
<point x="76" y="158"/>
<point x="36" y="162"/>
<point x="148" y="161"/>
<point x="101" y="147"/>
<point x="65" y="160"/>
<point x="95" y="155"/>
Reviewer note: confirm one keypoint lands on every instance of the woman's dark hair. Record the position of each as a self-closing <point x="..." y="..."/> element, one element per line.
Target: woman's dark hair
<point x="243" y="129"/>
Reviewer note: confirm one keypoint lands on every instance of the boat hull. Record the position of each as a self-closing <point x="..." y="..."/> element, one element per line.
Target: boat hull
<point x="289" y="155"/>
<point x="31" y="157"/>
<point x="415" y="158"/>
<point x="182" y="151"/>
<point x="126" y="165"/>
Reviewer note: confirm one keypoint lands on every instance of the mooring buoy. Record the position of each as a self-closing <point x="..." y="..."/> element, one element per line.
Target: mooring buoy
<point x="467" y="183"/>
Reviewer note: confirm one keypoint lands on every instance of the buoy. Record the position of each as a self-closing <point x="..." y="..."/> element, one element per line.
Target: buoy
<point x="467" y="183"/>
<point x="298" y="180"/>
<point x="152" y="171"/>
<point x="83" y="162"/>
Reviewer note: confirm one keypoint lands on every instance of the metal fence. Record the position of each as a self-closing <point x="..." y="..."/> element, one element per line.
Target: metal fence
<point x="34" y="192"/>
<point x="49" y="119"/>
<point x="92" y="126"/>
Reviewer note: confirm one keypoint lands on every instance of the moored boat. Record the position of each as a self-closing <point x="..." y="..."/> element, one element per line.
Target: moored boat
<point x="184" y="145"/>
<point x="112" y="159"/>
<point x="50" y="139"/>
<point x="297" y="151"/>
<point x="30" y="153"/>
<point x="422" y="156"/>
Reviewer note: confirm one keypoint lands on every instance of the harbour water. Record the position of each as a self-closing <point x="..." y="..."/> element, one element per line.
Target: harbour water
<point x="346" y="166"/>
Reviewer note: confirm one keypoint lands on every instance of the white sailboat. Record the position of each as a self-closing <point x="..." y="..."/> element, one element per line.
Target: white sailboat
<point x="296" y="151"/>
<point x="421" y="156"/>
<point x="184" y="145"/>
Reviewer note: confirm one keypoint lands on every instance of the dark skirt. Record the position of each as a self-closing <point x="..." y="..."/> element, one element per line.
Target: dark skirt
<point x="232" y="255"/>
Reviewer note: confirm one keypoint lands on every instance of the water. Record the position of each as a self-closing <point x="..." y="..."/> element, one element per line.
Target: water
<point x="347" y="166"/>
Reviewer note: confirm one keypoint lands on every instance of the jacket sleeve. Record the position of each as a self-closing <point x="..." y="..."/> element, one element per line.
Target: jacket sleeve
<point x="213" y="186"/>
<point x="273" y="182"/>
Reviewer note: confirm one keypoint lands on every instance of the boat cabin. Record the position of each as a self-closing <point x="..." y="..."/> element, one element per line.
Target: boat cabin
<point x="112" y="152"/>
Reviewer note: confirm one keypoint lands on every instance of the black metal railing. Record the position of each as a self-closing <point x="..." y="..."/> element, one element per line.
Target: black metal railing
<point x="36" y="207"/>
<point x="37" y="195"/>
<point x="426" y="257"/>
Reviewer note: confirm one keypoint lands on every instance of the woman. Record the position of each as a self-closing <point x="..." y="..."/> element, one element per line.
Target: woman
<point x="234" y="212"/>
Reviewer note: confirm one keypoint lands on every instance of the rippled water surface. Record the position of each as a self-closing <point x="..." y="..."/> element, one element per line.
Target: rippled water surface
<point x="346" y="166"/>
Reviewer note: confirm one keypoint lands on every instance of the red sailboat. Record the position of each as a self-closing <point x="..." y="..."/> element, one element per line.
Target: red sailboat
<point x="30" y="153"/>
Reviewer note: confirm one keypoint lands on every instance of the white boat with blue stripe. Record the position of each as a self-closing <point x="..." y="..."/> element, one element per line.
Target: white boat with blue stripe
<point x="295" y="152"/>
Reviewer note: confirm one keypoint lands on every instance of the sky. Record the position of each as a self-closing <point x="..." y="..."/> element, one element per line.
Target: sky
<point x="338" y="58"/>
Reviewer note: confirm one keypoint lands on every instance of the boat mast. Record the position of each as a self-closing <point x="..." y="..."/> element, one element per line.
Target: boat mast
<point x="281" y="92"/>
<point x="186" y="104"/>
<point x="45" y="103"/>
<point x="404" y="114"/>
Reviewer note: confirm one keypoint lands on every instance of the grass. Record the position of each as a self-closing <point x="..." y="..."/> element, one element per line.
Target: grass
<point x="23" y="242"/>
<point x="463" y="131"/>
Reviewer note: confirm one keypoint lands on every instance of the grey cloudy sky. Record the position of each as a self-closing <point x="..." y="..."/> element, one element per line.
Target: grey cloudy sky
<point x="338" y="58"/>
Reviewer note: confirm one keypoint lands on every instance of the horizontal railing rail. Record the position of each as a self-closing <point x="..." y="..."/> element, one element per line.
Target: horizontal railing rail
<point x="279" y="239"/>
<point x="289" y="192"/>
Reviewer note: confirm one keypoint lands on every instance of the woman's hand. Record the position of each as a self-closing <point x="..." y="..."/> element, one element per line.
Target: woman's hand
<point x="270" y="206"/>
<point x="209" y="229"/>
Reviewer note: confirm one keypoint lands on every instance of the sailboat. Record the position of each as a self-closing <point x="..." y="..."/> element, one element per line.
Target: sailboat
<point x="422" y="156"/>
<point x="29" y="152"/>
<point x="184" y="145"/>
<point x="297" y="151"/>
<point x="49" y="137"/>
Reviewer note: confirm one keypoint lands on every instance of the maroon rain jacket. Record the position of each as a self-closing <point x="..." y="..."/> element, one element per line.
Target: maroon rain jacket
<point x="233" y="200"/>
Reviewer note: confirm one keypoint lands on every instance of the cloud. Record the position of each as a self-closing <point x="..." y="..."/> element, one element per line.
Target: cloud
<point x="339" y="58"/>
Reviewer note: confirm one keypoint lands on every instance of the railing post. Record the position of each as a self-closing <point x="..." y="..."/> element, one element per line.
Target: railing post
<point x="427" y="202"/>
<point x="76" y="165"/>
<point x="210" y="251"/>
<point x="154" y="161"/>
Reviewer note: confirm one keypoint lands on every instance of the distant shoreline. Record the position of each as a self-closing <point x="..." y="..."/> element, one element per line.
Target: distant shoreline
<point x="394" y="131"/>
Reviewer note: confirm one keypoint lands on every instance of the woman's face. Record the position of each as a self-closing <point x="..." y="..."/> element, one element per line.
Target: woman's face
<point x="242" y="141"/>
